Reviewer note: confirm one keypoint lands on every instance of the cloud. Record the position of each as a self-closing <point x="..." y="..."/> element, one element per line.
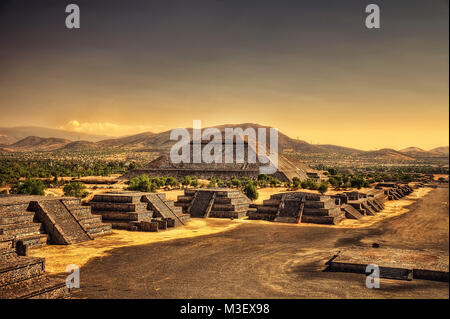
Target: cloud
<point x="107" y="128"/>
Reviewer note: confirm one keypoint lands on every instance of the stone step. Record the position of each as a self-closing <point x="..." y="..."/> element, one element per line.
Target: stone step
<point x="17" y="269"/>
<point x="93" y="219"/>
<point x="333" y="220"/>
<point x="41" y="287"/>
<point x="233" y="201"/>
<point x="17" y="217"/>
<point x="184" y="198"/>
<point x="125" y="216"/>
<point x="80" y="211"/>
<point x="227" y="207"/>
<point x="13" y="208"/>
<point x="262" y="216"/>
<point x="99" y="230"/>
<point x="118" y="207"/>
<point x="22" y="229"/>
<point x="34" y="241"/>
<point x="267" y="209"/>
<point x="322" y="211"/>
<point x="228" y="214"/>
<point x="72" y="202"/>
<point x="320" y="204"/>
<point x="118" y="198"/>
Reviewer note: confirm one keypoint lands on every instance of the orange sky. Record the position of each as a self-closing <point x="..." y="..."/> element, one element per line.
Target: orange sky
<point x="310" y="69"/>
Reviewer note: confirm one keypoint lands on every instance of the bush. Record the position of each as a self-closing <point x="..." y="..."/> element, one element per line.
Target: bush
<point x="30" y="187"/>
<point x="142" y="184"/>
<point x="323" y="187"/>
<point x="75" y="189"/>
<point x="296" y="182"/>
<point x="171" y="181"/>
<point x="194" y="183"/>
<point x="251" y="192"/>
<point x="186" y="181"/>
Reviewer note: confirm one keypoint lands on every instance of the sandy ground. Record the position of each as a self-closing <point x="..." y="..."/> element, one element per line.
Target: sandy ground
<point x="269" y="260"/>
<point x="58" y="257"/>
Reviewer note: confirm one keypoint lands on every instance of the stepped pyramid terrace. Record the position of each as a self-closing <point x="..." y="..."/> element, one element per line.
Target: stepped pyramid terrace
<point x="24" y="277"/>
<point x="214" y="202"/>
<point x="138" y="211"/>
<point x="299" y="207"/>
<point x="37" y="220"/>
<point x="163" y="166"/>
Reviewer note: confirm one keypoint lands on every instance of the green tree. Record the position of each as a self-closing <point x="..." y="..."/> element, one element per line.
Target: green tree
<point x="194" y="183"/>
<point x="186" y="181"/>
<point x="75" y="189"/>
<point x="323" y="187"/>
<point x="142" y="184"/>
<point x="296" y="182"/>
<point x="30" y="187"/>
<point x="251" y="191"/>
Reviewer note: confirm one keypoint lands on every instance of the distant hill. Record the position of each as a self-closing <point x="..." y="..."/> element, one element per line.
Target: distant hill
<point x="34" y="143"/>
<point x="79" y="146"/>
<point x="160" y="142"/>
<point x="389" y="154"/>
<point x="412" y="150"/>
<point x="441" y="150"/>
<point x="10" y="135"/>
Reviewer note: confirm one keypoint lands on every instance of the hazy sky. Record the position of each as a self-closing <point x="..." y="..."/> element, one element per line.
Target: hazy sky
<point x="310" y="68"/>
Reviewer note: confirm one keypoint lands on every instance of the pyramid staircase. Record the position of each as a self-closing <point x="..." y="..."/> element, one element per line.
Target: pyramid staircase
<point x="17" y="220"/>
<point x="213" y="202"/>
<point x="299" y="207"/>
<point x="138" y="211"/>
<point x="34" y="221"/>
<point x="23" y="277"/>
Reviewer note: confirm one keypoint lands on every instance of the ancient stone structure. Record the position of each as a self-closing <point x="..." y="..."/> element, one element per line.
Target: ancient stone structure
<point x="163" y="166"/>
<point x="395" y="191"/>
<point x="356" y="204"/>
<point x="34" y="221"/>
<point x="214" y="202"/>
<point x="138" y="211"/>
<point x="296" y="207"/>
<point x="393" y="263"/>
<point x="24" y="277"/>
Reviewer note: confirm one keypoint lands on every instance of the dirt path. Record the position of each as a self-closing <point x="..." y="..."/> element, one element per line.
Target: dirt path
<point x="267" y="260"/>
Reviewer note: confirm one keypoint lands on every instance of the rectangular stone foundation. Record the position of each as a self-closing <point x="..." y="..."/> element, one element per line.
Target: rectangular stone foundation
<point x="393" y="263"/>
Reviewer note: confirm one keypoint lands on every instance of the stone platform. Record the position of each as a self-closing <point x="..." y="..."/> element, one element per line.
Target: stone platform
<point x="299" y="207"/>
<point x="34" y="221"/>
<point x="214" y="202"/>
<point x="393" y="263"/>
<point x="23" y="277"/>
<point x="138" y="211"/>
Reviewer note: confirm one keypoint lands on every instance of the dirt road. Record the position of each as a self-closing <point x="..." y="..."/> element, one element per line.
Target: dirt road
<point x="269" y="261"/>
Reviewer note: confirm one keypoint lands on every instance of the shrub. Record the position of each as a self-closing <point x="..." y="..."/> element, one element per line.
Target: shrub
<point x="296" y="182"/>
<point x="30" y="187"/>
<point x="251" y="192"/>
<point x="323" y="187"/>
<point x="194" y="183"/>
<point x="75" y="189"/>
<point x="142" y="184"/>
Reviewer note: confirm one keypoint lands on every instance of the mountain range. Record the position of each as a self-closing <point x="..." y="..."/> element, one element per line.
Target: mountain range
<point x="23" y="139"/>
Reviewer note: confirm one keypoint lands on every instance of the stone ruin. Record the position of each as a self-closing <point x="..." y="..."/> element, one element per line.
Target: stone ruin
<point x="34" y="221"/>
<point x="214" y="202"/>
<point x="395" y="191"/>
<point x="23" y="277"/>
<point x="299" y="207"/>
<point x="296" y="207"/>
<point x="138" y="211"/>
<point x="356" y="204"/>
